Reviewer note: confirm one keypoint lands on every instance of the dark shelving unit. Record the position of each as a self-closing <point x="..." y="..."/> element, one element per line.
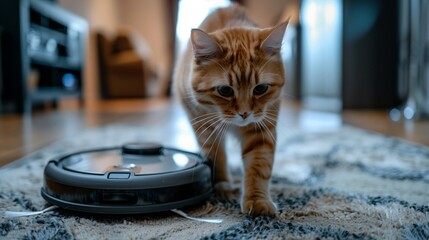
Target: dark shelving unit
<point x="43" y="54"/>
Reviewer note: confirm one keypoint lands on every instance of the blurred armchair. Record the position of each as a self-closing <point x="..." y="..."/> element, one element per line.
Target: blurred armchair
<point x="125" y="67"/>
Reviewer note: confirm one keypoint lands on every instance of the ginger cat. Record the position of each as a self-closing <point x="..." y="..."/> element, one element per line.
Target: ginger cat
<point x="230" y="79"/>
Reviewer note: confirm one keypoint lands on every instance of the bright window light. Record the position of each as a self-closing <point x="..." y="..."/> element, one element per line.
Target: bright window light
<point x="191" y="14"/>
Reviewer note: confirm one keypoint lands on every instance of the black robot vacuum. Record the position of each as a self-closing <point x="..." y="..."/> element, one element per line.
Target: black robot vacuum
<point x="131" y="179"/>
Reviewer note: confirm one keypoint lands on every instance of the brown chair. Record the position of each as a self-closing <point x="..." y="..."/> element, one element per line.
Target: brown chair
<point x="123" y="70"/>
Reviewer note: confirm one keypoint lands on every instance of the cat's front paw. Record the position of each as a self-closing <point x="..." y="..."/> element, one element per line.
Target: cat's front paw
<point x="258" y="207"/>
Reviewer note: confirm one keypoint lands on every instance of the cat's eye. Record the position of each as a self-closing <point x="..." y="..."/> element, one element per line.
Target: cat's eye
<point x="260" y="89"/>
<point x="225" y="91"/>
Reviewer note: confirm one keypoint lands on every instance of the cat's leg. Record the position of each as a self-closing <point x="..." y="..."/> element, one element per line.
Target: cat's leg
<point x="258" y="155"/>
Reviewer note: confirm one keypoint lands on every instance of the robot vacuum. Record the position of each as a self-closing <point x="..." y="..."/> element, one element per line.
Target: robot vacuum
<point x="131" y="179"/>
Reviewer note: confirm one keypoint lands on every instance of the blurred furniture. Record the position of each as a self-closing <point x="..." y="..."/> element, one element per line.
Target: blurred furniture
<point x="350" y="52"/>
<point x="413" y="59"/>
<point x="43" y="60"/>
<point x="125" y="69"/>
<point x="370" y="54"/>
<point x="1" y="69"/>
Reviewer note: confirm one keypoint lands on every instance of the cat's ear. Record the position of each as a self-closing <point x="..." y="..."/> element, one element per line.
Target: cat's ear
<point x="273" y="43"/>
<point x="203" y="45"/>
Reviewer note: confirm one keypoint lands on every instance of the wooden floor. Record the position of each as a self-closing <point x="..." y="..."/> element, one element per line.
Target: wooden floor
<point x="22" y="135"/>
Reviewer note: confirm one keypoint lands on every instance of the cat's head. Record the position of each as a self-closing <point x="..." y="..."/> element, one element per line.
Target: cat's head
<point x="238" y="72"/>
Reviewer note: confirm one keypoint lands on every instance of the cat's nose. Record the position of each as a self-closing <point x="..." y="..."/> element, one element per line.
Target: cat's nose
<point x="244" y="115"/>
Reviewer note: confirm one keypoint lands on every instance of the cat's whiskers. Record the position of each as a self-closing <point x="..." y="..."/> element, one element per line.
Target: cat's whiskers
<point x="273" y="123"/>
<point x="222" y="131"/>
<point x="262" y="132"/>
<point x="204" y="124"/>
<point x="208" y="115"/>
<point x="274" y="116"/>
<point x="270" y="134"/>
<point x="210" y="136"/>
<point x="271" y="116"/>
<point x="218" y="119"/>
<point x="203" y="117"/>
<point x="210" y="124"/>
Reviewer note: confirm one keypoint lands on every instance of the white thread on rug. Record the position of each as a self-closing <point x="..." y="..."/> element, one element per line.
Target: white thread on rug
<point x="183" y="214"/>
<point x="12" y="214"/>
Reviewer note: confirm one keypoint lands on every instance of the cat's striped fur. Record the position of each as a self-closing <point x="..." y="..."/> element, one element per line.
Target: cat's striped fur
<point x="230" y="79"/>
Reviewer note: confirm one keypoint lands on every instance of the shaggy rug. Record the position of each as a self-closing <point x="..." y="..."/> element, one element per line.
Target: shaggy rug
<point x="343" y="184"/>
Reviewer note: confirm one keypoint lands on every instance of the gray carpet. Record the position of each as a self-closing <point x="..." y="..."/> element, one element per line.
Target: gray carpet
<point x="343" y="184"/>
